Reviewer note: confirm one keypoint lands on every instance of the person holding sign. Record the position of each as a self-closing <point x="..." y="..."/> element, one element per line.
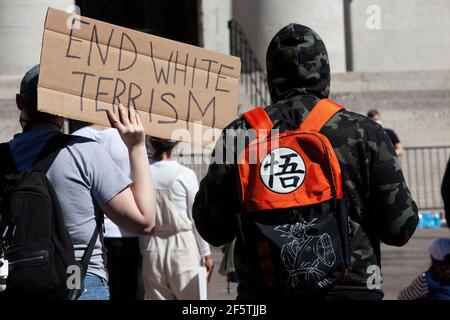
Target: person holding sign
<point x="124" y="260"/>
<point x="86" y="179"/>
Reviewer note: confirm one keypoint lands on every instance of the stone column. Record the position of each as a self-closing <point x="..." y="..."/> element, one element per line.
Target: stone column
<point x="261" y="19"/>
<point x="215" y="17"/>
<point x="21" y="27"/>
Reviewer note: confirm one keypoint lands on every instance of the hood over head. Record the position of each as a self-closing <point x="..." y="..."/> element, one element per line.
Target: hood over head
<point x="297" y="64"/>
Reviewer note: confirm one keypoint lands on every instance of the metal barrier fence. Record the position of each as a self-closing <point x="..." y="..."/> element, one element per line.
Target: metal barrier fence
<point x="253" y="76"/>
<point x="423" y="168"/>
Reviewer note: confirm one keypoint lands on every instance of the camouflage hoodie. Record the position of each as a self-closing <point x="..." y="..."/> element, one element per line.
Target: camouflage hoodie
<point x="381" y="206"/>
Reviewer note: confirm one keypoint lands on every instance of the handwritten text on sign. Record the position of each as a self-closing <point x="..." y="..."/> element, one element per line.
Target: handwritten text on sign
<point x="92" y="66"/>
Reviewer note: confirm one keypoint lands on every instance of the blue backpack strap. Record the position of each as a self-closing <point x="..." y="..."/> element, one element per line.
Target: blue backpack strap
<point x="50" y="151"/>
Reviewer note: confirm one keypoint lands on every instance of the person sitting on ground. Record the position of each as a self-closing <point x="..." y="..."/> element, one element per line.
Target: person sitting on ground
<point x="433" y="284"/>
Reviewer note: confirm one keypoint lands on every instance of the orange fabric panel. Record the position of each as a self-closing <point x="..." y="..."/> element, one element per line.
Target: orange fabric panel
<point x="315" y="188"/>
<point x="310" y="148"/>
<point x="320" y="115"/>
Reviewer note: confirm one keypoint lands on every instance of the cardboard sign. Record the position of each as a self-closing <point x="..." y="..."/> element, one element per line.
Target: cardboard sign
<point x="182" y="92"/>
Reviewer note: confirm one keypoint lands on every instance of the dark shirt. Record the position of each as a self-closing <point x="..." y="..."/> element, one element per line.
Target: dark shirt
<point x="392" y="136"/>
<point x="445" y="191"/>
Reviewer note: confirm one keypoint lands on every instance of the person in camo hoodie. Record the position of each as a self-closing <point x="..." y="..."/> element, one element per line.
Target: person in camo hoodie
<point x="381" y="207"/>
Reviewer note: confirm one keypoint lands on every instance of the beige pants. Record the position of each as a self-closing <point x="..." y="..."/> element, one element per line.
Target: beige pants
<point x="171" y="264"/>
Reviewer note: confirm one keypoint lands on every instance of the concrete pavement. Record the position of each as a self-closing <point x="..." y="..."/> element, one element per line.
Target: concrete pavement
<point x="400" y="266"/>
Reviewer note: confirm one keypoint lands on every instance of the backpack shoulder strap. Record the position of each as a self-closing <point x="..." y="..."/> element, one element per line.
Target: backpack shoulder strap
<point x="85" y="259"/>
<point x="258" y="119"/>
<point x="51" y="150"/>
<point x="7" y="164"/>
<point x="320" y="115"/>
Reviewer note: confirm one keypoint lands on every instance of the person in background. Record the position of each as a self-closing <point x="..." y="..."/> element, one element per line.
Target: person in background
<point x="445" y="192"/>
<point x="173" y="254"/>
<point x="375" y="116"/>
<point x="433" y="284"/>
<point x="123" y="257"/>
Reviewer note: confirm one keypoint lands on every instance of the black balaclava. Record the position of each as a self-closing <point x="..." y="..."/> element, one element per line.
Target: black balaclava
<point x="297" y="64"/>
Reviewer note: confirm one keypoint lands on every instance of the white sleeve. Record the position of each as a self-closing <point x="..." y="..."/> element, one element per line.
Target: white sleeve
<point x="192" y="188"/>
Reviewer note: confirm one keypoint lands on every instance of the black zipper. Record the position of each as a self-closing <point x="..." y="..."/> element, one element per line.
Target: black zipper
<point x="30" y="259"/>
<point x="34" y="259"/>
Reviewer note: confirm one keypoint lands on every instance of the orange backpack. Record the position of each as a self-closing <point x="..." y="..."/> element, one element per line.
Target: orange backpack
<point x="294" y="221"/>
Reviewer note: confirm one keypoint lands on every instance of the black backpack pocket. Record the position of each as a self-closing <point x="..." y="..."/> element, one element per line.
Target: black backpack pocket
<point x="32" y="270"/>
<point x="306" y="252"/>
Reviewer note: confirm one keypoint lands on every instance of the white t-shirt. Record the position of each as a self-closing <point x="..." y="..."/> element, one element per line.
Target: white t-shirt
<point x="183" y="191"/>
<point x="113" y="144"/>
